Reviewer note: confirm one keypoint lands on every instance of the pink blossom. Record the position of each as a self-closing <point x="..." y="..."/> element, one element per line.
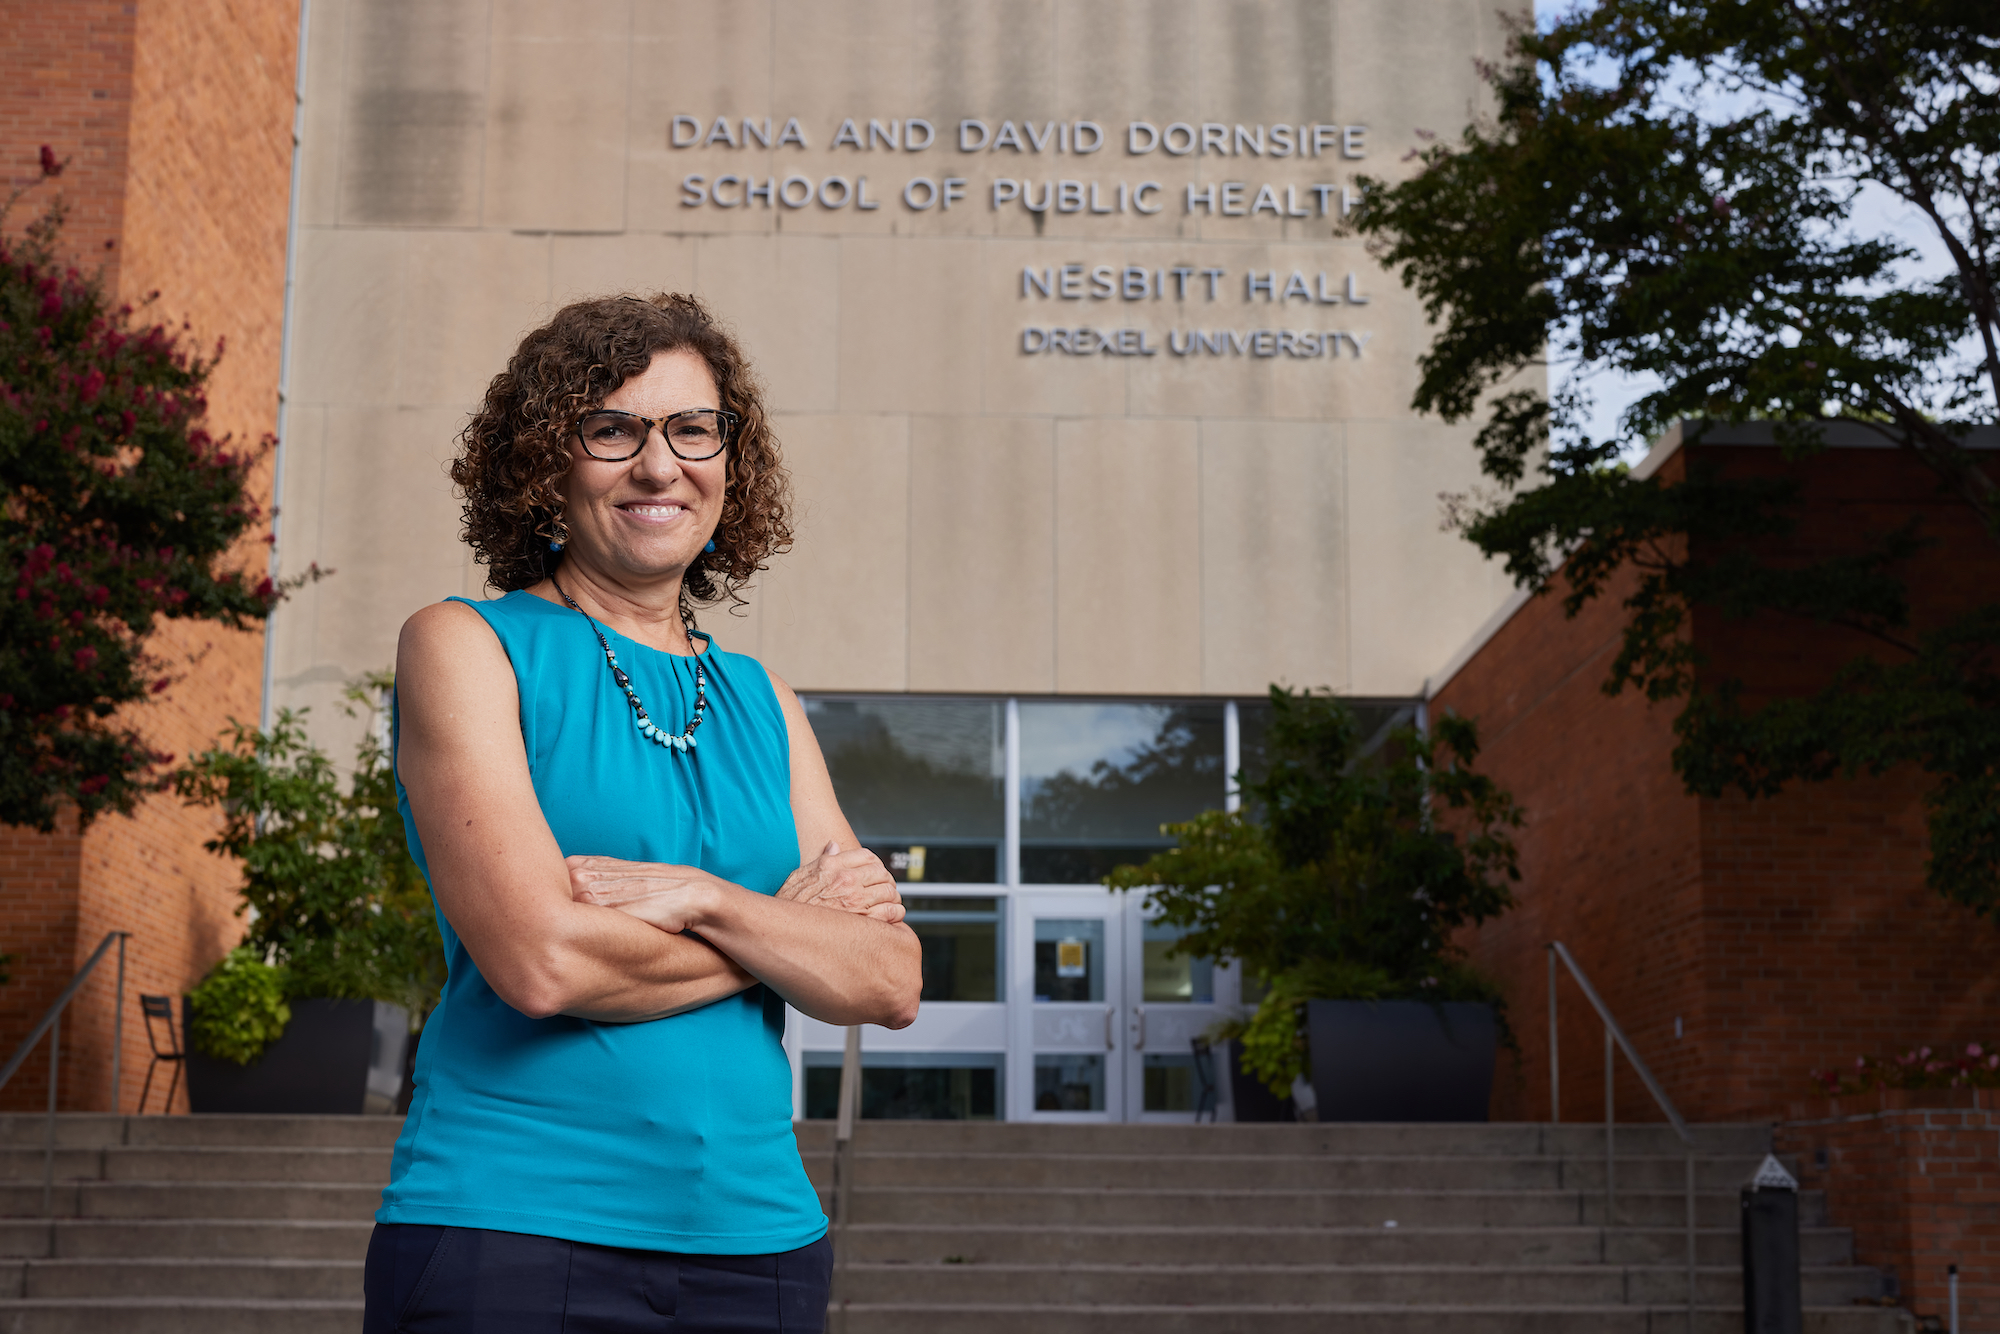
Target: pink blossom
<point x="1974" y="1049"/>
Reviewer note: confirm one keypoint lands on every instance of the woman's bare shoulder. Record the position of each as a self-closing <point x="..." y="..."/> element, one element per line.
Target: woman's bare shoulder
<point x="788" y="698"/>
<point x="446" y="642"/>
<point x="447" y="623"/>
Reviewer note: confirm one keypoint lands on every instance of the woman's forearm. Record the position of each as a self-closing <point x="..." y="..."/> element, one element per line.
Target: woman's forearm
<point x="601" y="964"/>
<point x="837" y="967"/>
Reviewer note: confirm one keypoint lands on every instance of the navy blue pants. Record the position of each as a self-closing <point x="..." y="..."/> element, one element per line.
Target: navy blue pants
<point x="462" y="1280"/>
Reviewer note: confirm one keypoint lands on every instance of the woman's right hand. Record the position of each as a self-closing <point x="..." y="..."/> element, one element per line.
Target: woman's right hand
<point x="658" y="893"/>
<point x="853" y="881"/>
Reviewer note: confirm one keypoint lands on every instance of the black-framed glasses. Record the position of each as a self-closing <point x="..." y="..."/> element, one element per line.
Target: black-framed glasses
<point x="694" y="435"/>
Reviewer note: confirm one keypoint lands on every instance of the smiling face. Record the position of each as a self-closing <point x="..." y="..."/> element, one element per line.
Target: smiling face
<point x="645" y="519"/>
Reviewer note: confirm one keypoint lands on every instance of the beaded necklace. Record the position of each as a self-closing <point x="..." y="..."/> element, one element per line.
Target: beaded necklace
<point x="651" y="730"/>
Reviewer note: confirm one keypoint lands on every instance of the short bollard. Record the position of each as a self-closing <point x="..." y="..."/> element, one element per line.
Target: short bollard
<point x="1771" y="1299"/>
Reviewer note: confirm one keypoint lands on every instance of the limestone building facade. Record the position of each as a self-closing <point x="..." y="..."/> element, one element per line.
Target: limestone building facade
<point x="1097" y="424"/>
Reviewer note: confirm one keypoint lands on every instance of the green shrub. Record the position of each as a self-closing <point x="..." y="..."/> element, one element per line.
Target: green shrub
<point x="239" y="1009"/>
<point x="329" y="887"/>
<point x="1347" y="878"/>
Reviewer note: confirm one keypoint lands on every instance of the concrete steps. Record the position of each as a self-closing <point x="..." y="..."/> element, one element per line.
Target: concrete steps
<point x="1278" y="1228"/>
<point x="1036" y="1243"/>
<point x="221" y="1224"/>
<point x="265" y="1278"/>
<point x="202" y="1225"/>
<point x="1277" y="1319"/>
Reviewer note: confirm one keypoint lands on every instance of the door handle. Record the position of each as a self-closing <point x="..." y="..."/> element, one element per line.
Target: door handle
<point x="1140" y="1043"/>
<point x="1110" y="1034"/>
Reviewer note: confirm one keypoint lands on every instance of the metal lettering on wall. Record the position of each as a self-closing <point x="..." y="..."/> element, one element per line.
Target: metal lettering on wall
<point x="1317" y="144"/>
<point x="1078" y="138"/>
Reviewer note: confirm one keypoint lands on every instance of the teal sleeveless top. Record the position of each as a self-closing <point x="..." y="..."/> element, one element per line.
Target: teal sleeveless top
<point x="670" y="1135"/>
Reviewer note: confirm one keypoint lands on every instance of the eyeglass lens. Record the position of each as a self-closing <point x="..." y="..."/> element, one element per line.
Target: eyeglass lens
<point x="619" y="435"/>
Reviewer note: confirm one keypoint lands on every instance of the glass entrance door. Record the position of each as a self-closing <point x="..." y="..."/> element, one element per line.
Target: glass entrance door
<point x="1171" y="1000"/>
<point x="1073" y="958"/>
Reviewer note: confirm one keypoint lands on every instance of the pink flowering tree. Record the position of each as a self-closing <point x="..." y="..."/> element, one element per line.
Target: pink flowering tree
<point x="116" y="509"/>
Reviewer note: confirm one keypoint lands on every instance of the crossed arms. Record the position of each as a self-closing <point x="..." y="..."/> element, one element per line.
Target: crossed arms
<point x="605" y="939"/>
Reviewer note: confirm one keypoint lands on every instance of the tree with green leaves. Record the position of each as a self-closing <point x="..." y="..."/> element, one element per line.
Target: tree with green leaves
<point x="117" y="509"/>
<point x="329" y="887"/>
<point x="1671" y="190"/>
<point x="1348" y="875"/>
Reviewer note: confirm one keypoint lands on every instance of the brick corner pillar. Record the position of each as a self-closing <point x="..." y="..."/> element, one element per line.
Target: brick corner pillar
<point x="175" y="117"/>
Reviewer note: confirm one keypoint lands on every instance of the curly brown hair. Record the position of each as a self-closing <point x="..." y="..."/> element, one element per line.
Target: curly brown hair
<point x="514" y="453"/>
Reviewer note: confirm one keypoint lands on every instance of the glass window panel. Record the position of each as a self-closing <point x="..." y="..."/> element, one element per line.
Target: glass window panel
<point x="1099" y="779"/>
<point x="910" y="1086"/>
<point x="921" y="781"/>
<point x="1171" y="1084"/>
<point x="1167" y="980"/>
<point x="1069" y="959"/>
<point x="1374" y="719"/>
<point x="1068" y="1083"/>
<point x="1253" y="725"/>
<point x="961" y="940"/>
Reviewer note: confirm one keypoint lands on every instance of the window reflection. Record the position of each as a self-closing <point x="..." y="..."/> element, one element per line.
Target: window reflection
<point x="1099" y="779"/>
<point x="915" y="1086"/>
<point x="1374" y="720"/>
<point x="921" y="782"/>
<point x="1169" y="1083"/>
<point x="961" y="940"/>
<point x="1170" y="979"/>
<point x="1065" y="1083"/>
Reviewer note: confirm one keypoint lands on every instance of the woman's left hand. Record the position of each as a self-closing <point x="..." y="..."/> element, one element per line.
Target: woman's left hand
<point x="853" y="881"/>
<point x="658" y="893"/>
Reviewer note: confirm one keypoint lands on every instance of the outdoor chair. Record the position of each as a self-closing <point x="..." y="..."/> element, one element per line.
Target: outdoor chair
<point x="161" y="1009"/>
<point x="1204" y="1077"/>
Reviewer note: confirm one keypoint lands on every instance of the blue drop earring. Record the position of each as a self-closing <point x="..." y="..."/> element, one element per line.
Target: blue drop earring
<point x="560" y="538"/>
<point x="710" y="548"/>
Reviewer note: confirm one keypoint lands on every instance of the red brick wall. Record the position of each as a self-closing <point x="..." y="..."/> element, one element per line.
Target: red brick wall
<point x="1610" y="861"/>
<point x="1825" y="944"/>
<point x="1917" y="1176"/>
<point x="1787" y="934"/>
<point x="199" y="169"/>
<point x="66" y="81"/>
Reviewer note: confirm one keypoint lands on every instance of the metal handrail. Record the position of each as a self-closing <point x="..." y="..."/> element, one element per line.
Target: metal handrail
<point x="52" y="1025"/>
<point x="1615" y="1040"/>
<point x="843" y="1158"/>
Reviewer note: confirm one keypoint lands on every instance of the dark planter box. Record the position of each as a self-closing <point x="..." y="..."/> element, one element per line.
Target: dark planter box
<point x="1402" y="1060"/>
<point x="1249" y="1098"/>
<point x="337" y="1057"/>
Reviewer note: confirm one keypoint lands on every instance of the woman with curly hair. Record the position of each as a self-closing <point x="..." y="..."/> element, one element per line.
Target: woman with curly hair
<point x="637" y="860"/>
